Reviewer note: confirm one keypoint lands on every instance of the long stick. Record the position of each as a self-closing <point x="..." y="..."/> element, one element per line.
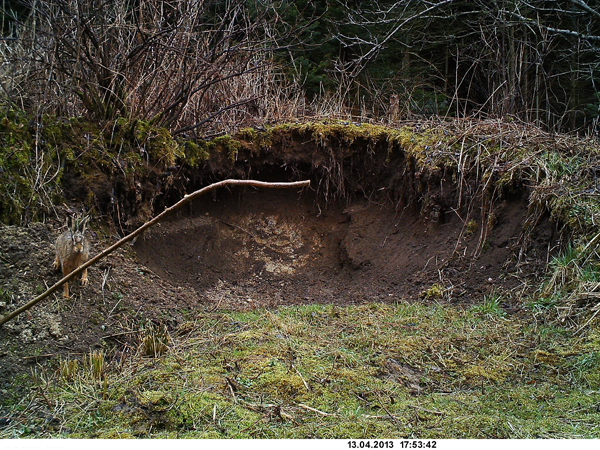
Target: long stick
<point x="148" y="224"/>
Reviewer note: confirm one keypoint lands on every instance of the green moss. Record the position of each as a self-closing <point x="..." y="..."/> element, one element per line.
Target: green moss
<point x="156" y="400"/>
<point x="487" y="373"/>
<point x="225" y="144"/>
<point x="33" y="160"/>
<point x="430" y="148"/>
<point x="472" y="227"/>
<point x="194" y="154"/>
<point x="158" y="142"/>
<point x="437" y="291"/>
<point x="29" y="175"/>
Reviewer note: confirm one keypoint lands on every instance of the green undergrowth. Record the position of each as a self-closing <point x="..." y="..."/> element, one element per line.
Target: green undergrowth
<point x="28" y="175"/>
<point x="321" y="371"/>
<point x="36" y="154"/>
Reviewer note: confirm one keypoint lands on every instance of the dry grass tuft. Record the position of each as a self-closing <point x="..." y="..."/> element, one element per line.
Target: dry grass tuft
<point x="154" y="340"/>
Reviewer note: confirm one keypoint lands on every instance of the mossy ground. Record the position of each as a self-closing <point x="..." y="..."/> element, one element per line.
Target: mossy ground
<point x="318" y="371"/>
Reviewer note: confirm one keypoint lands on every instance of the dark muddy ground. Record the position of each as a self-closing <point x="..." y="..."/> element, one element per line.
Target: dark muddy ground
<point x="265" y="249"/>
<point x="256" y="249"/>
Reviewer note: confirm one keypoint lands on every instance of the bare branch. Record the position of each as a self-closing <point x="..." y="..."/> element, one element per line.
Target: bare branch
<point x="581" y="4"/>
<point x="363" y="60"/>
<point x="147" y="225"/>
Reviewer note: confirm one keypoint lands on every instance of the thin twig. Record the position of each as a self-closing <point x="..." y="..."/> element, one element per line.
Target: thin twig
<point x="3" y="258"/>
<point x="587" y="323"/>
<point x="390" y="415"/>
<point x="110" y="336"/>
<point x="231" y="388"/>
<point x="430" y="411"/>
<point x="315" y="410"/>
<point x="212" y="116"/>
<point x="302" y="378"/>
<point x="47" y="355"/>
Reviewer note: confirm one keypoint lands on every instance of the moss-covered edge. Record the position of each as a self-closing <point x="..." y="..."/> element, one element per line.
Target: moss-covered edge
<point x="130" y="156"/>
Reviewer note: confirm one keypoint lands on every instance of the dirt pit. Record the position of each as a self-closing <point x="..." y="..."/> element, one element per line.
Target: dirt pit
<point x="265" y="248"/>
<point x="253" y="249"/>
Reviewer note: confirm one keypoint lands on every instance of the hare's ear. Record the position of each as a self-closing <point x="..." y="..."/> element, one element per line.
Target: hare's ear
<point x="77" y="222"/>
<point x="83" y="223"/>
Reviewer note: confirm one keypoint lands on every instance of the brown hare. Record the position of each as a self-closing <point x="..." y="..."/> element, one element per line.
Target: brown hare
<point x="72" y="250"/>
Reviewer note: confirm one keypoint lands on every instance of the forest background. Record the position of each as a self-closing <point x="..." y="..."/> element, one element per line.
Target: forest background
<point x="208" y="66"/>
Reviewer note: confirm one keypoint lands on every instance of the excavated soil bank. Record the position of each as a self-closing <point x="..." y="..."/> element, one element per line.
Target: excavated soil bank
<point x="379" y="223"/>
<point x="263" y="248"/>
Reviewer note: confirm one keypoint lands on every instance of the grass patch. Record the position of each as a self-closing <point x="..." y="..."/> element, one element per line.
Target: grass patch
<point x="323" y="371"/>
<point x="491" y="305"/>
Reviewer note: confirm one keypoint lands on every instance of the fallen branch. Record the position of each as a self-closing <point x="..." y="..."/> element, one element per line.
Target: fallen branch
<point x="148" y="224"/>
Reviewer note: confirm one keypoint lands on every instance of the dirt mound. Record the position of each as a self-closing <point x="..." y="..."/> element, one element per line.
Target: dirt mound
<point x="122" y="295"/>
